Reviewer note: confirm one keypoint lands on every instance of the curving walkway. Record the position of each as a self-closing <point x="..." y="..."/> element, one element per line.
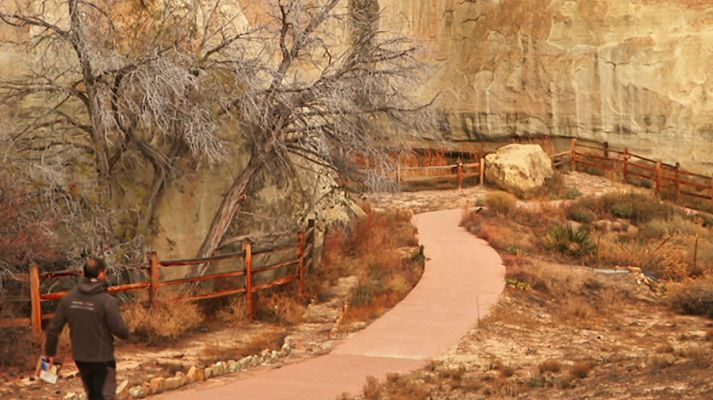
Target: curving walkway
<point x="462" y="280"/>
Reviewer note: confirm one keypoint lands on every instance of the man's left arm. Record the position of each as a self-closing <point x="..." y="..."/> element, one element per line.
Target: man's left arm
<point x="54" y="329"/>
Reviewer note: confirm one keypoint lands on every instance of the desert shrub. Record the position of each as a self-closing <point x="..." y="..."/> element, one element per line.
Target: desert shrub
<point x="384" y="276"/>
<point x="235" y="312"/>
<point x="361" y="295"/>
<point x="695" y="298"/>
<point x="280" y="307"/>
<point x="502" y="203"/>
<point x="571" y="241"/>
<point x="581" y="369"/>
<point x="18" y="348"/>
<point x="580" y="214"/>
<point x="666" y="259"/>
<point x="551" y="365"/>
<point x="164" y="322"/>
<point x="636" y="207"/>
<point x="655" y="229"/>
<point x="575" y="308"/>
<point x="678" y="225"/>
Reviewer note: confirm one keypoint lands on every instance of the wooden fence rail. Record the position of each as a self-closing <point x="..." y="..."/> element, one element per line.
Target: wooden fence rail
<point x="457" y="171"/>
<point x="660" y="175"/>
<point x="304" y="246"/>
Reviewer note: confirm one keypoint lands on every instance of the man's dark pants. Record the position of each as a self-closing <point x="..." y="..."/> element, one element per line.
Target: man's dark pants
<point x="99" y="379"/>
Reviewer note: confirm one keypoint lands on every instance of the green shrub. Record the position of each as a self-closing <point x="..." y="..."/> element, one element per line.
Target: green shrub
<point x="361" y="295"/>
<point x="501" y="202"/>
<point x="593" y="171"/>
<point x="637" y="208"/>
<point x="623" y="210"/>
<point x="679" y="225"/>
<point x="581" y="214"/>
<point x="570" y="241"/>
<point x="694" y="299"/>
<point x="571" y="193"/>
<point x="654" y="229"/>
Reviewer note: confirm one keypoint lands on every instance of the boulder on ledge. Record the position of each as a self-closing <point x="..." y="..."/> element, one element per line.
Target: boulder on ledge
<point x="518" y="168"/>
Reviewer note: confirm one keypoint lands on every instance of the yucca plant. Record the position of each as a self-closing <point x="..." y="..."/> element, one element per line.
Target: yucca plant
<point x="571" y="241"/>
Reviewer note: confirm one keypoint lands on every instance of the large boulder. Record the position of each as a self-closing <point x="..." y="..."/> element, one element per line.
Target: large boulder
<point x="518" y="168"/>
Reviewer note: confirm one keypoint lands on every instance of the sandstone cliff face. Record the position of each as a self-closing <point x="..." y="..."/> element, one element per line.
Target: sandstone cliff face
<point x="633" y="72"/>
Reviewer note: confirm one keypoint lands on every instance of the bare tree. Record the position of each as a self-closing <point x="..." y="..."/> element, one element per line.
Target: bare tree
<point x="317" y="94"/>
<point x="117" y="85"/>
<point x="112" y="86"/>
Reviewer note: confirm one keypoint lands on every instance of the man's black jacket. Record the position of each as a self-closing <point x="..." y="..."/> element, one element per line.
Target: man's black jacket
<point x="94" y="319"/>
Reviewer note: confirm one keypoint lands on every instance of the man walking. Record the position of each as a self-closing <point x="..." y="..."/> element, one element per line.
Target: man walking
<point x="94" y="319"/>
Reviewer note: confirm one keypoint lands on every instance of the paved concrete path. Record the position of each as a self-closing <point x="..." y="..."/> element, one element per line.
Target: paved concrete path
<point x="462" y="280"/>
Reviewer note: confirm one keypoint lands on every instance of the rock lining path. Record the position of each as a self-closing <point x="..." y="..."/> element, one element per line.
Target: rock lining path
<point x="462" y="280"/>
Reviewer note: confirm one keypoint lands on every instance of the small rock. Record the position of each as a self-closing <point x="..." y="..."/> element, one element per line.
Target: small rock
<point x="233" y="366"/>
<point x="221" y="368"/>
<point x="137" y="392"/>
<point x="70" y="396"/>
<point x="274" y="356"/>
<point x="122" y="391"/>
<point x="356" y="326"/>
<point x="158" y="385"/>
<point x="208" y="372"/>
<point x="244" y="362"/>
<point x="194" y="375"/>
<point x="174" y="383"/>
<point x="255" y="360"/>
<point x="70" y="375"/>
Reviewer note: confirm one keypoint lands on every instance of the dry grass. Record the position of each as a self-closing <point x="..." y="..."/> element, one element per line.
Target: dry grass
<point x="503" y="234"/>
<point x="164" y="322"/>
<point x="19" y="348"/>
<point x="502" y="203"/>
<point x="551" y="366"/>
<point x="282" y="307"/>
<point x="581" y="369"/>
<point x="371" y="250"/>
<point x="693" y="297"/>
<point x="235" y="312"/>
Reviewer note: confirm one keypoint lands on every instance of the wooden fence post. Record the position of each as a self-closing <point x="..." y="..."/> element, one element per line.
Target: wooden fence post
<point x="658" y="178"/>
<point x="482" y="170"/>
<point x="606" y="150"/>
<point x="155" y="274"/>
<point x="675" y="180"/>
<point x="312" y="241"/>
<point x="398" y="172"/>
<point x="625" y="168"/>
<point x="248" y="254"/>
<point x="574" y="155"/>
<point x="711" y="191"/>
<point x="301" y="243"/>
<point x="459" y="173"/>
<point x="695" y="254"/>
<point x="36" y="310"/>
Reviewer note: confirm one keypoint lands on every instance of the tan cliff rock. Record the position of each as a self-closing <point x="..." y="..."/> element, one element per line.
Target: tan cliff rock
<point x="633" y="72"/>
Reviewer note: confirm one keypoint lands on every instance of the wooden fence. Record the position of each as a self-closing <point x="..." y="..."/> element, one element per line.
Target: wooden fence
<point x="305" y="246"/>
<point x="659" y="175"/>
<point x="458" y="171"/>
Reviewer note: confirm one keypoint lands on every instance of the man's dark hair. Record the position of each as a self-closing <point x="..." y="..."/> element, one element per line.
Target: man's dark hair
<point x="93" y="267"/>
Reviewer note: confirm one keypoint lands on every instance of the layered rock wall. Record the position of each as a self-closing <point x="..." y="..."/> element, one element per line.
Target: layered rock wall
<point x="633" y="72"/>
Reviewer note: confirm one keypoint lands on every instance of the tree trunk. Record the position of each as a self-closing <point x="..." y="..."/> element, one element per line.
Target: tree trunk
<point x="228" y="209"/>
